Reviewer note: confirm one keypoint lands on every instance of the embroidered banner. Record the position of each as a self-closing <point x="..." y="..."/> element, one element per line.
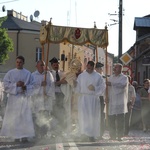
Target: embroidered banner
<point x="74" y="35"/>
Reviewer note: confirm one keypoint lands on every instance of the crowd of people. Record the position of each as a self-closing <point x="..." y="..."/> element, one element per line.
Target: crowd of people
<point x="51" y="101"/>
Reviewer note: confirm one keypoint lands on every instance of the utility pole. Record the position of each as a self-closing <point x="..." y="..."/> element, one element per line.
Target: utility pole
<point x="120" y="31"/>
<point x="119" y="21"/>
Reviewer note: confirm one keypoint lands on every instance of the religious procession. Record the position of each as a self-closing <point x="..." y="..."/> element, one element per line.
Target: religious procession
<point x="50" y="102"/>
<point x="82" y="104"/>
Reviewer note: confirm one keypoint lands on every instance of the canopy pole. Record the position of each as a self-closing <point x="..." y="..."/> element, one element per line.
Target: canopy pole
<point x="96" y="54"/>
<point x="47" y="56"/>
<point x="42" y="51"/>
<point x="63" y="60"/>
<point x="106" y="94"/>
<point x="46" y="67"/>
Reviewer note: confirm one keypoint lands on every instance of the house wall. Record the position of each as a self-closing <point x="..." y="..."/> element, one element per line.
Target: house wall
<point x="27" y="44"/>
<point x="102" y="59"/>
<point x="140" y="71"/>
<point x="26" y="47"/>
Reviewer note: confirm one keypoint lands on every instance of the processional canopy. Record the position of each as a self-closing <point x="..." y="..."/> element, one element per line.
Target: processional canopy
<point x="75" y="35"/>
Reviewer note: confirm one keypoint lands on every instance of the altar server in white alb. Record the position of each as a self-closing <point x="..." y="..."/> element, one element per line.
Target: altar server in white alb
<point x="18" y="123"/>
<point x="44" y="89"/>
<point x="42" y="98"/>
<point x="90" y="85"/>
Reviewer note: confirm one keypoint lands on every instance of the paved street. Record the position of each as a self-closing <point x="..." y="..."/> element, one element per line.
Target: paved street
<point x="137" y="140"/>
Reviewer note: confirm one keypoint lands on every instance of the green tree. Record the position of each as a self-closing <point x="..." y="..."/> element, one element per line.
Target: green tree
<point x="6" y="43"/>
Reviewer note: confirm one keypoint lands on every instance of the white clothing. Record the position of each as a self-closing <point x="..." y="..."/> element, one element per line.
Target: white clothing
<point x="68" y="91"/>
<point x="1" y="91"/>
<point x="17" y="122"/>
<point x="89" y="102"/>
<point x="131" y="93"/>
<point x="102" y="74"/>
<point x="43" y="96"/>
<point x="118" y="94"/>
<point x="149" y="90"/>
<point x="68" y="88"/>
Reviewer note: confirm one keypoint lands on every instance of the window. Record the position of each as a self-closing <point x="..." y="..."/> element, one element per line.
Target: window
<point x="146" y="61"/>
<point x="38" y="54"/>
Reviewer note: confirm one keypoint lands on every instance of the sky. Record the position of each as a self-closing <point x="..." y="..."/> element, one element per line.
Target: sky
<point x="83" y="13"/>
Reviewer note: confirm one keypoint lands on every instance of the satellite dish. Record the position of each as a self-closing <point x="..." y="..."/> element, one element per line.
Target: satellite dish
<point x="31" y="18"/>
<point x="3" y="8"/>
<point x="36" y="13"/>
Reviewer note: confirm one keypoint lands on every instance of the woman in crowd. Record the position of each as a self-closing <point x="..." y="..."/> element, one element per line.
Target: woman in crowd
<point x="135" y="121"/>
<point x="145" y="104"/>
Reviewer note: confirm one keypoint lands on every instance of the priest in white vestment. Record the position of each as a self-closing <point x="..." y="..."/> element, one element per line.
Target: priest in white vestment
<point x="67" y="89"/>
<point x="90" y="86"/>
<point x="17" y="122"/>
<point x="118" y="98"/>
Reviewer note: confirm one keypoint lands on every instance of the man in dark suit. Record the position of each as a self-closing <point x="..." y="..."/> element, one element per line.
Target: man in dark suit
<point x="58" y="107"/>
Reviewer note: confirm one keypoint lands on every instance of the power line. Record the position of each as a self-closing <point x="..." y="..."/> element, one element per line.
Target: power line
<point x="8" y="1"/>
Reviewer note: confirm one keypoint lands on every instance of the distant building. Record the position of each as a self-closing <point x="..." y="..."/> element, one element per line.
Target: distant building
<point x="25" y="37"/>
<point x="102" y="59"/>
<point x="140" y="51"/>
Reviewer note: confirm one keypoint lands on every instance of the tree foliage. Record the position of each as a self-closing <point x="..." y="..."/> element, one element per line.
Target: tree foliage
<point x="6" y="44"/>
